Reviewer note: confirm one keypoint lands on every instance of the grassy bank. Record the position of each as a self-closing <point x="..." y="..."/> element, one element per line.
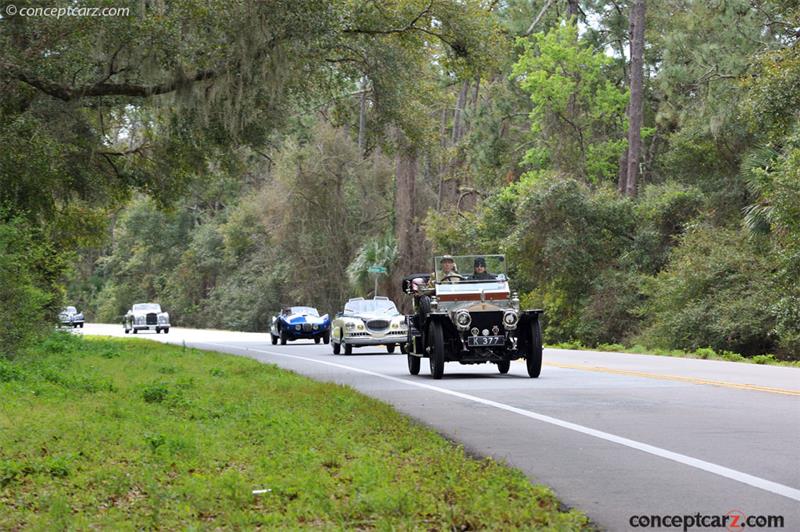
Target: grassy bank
<point x="134" y="434"/>
<point x="704" y="353"/>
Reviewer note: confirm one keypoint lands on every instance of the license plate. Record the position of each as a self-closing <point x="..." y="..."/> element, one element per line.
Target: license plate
<point x="479" y="341"/>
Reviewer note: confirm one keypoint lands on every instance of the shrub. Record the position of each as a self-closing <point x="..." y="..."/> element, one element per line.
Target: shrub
<point x="716" y="292"/>
<point x="26" y="294"/>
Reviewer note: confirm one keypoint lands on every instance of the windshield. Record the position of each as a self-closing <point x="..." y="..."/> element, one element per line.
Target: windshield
<point x="147" y="307"/>
<point x="306" y="311"/>
<point x="70" y="310"/>
<point x="451" y="269"/>
<point x="371" y="306"/>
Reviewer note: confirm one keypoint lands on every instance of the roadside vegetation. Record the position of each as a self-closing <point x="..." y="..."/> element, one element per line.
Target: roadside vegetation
<point x="644" y="184"/>
<point x="130" y="434"/>
<point x="704" y="353"/>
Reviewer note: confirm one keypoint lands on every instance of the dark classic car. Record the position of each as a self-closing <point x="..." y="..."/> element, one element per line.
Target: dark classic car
<point x="70" y="317"/>
<point x="470" y="318"/>
<point x="295" y="323"/>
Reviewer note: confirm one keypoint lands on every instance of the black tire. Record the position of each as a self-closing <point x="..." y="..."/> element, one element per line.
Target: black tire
<point x="317" y="340"/>
<point x="390" y="348"/>
<point x="166" y="331"/>
<point x="337" y="347"/>
<point x="326" y="338"/>
<point x="81" y="325"/>
<point x="158" y="331"/>
<point x="533" y="349"/>
<point x="274" y="339"/>
<point x="348" y="349"/>
<point x="436" y="344"/>
<point x="413" y="364"/>
<point x="284" y="337"/>
<point x="403" y="348"/>
<point x="504" y="366"/>
<point x="127" y="330"/>
<point x="424" y="305"/>
<point x="134" y="331"/>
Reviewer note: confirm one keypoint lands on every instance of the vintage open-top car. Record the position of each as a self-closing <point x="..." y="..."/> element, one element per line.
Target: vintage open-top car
<point x="365" y="322"/>
<point x="294" y="323"/>
<point x="70" y="317"/>
<point x="470" y="316"/>
<point x="146" y="317"/>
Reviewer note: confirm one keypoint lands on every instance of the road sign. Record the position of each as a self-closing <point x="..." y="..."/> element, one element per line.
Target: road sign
<point x="377" y="269"/>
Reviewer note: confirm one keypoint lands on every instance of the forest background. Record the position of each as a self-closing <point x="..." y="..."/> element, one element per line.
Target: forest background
<point x="638" y="162"/>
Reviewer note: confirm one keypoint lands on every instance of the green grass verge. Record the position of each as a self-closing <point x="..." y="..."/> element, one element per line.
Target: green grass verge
<point x="705" y="353"/>
<point x="131" y="434"/>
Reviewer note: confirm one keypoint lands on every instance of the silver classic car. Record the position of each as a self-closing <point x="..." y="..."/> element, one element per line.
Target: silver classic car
<point x="70" y="317"/>
<point x="367" y="322"/>
<point x="465" y="312"/>
<point x="146" y="317"/>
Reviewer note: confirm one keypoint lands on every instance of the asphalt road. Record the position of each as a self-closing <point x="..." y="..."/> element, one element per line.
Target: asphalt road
<point x="615" y="435"/>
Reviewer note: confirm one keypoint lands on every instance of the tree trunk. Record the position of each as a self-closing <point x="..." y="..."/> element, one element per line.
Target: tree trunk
<point x="459" y="111"/>
<point x="572" y="8"/>
<point x="635" y="106"/>
<point x="404" y="203"/>
<point x="362" y="117"/>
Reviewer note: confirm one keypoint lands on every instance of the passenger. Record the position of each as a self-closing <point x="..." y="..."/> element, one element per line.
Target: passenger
<point x="479" y="270"/>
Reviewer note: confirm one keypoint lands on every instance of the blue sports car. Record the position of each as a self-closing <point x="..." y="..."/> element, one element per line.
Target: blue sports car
<point x="294" y="323"/>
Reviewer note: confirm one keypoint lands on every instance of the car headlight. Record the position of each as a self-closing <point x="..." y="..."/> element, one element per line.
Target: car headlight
<point x="297" y="327"/>
<point x="360" y="326"/>
<point x="510" y="319"/>
<point x="463" y="320"/>
<point x="349" y="325"/>
<point x="315" y="327"/>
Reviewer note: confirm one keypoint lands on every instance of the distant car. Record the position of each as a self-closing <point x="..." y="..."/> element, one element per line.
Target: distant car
<point x="295" y="323"/>
<point x="70" y="317"/>
<point x="470" y="318"/>
<point x="146" y="317"/>
<point x="366" y="322"/>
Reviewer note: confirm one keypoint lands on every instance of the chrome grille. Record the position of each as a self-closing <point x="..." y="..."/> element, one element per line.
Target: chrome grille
<point x="377" y="325"/>
<point x="306" y="327"/>
<point x="151" y="319"/>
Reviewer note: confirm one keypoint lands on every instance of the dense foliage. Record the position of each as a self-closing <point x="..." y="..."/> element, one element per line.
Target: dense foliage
<point x="226" y="161"/>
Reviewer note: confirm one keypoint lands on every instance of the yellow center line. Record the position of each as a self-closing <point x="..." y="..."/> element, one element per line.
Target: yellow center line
<point x="679" y="378"/>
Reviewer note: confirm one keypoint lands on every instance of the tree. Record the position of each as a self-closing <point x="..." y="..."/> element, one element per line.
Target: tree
<point x="577" y="116"/>
<point x="636" y="103"/>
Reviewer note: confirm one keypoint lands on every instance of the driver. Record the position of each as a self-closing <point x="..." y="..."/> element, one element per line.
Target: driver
<point x="449" y="269"/>
<point x="479" y="270"/>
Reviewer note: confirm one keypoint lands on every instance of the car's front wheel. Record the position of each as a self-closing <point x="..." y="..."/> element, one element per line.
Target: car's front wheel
<point x="273" y="338"/>
<point x="166" y="330"/>
<point x="413" y="364"/>
<point x="326" y="338"/>
<point x="390" y="348"/>
<point x="134" y="331"/>
<point x="436" y="344"/>
<point x="348" y="349"/>
<point x="532" y="338"/>
<point x="317" y="339"/>
<point x="284" y="337"/>
<point x="504" y="366"/>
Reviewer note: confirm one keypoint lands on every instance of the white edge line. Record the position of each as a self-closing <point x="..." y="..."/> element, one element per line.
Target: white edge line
<point x="744" y="478"/>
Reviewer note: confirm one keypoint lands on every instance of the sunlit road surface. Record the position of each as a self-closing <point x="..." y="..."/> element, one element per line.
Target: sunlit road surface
<point x="616" y="435"/>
